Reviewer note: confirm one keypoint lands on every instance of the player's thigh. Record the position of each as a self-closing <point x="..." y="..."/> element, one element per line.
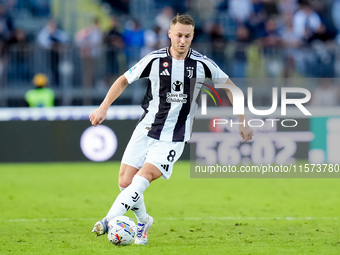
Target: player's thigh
<point x="163" y="155"/>
<point x="136" y="150"/>
<point x="126" y="173"/>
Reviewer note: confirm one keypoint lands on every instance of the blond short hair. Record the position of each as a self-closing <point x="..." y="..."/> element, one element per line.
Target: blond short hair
<point x="183" y="19"/>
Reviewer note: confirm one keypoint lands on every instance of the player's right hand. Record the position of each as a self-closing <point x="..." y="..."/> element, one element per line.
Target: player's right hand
<point x="98" y="116"/>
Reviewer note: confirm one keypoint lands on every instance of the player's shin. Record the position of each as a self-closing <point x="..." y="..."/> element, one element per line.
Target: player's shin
<point x="128" y="198"/>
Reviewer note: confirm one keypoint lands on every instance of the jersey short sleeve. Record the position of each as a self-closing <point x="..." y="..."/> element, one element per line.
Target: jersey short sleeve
<point x="143" y="67"/>
<point x="217" y="75"/>
<point x="135" y="72"/>
<point x="220" y="76"/>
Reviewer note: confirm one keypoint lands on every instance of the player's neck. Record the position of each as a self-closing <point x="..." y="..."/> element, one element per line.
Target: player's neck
<point x="177" y="55"/>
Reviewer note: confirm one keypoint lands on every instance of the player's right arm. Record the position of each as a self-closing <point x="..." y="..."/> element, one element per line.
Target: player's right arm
<point x="136" y="72"/>
<point x="99" y="115"/>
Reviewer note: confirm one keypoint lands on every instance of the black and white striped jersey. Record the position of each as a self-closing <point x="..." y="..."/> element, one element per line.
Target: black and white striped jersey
<point x="170" y="99"/>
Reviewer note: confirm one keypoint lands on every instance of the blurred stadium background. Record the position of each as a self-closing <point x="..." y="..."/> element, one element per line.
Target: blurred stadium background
<point x="259" y="43"/>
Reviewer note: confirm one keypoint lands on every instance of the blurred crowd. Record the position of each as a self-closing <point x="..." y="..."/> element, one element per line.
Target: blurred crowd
<point x="247" y="38"/>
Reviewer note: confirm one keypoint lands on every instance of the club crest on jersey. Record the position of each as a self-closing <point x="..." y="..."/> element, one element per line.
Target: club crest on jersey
<point x="176" y="86"/>
<point x="190" y="70"/>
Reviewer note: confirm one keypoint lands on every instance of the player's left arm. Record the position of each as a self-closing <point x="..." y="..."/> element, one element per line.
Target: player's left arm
<point x="245" y="130"/>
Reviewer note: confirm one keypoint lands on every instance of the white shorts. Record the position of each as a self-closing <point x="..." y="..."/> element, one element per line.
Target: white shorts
<point x="144" y="149"/>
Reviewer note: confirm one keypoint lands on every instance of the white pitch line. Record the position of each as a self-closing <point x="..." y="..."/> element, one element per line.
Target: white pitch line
<point x="250" y="218"/>
<point x="181" y="219"/>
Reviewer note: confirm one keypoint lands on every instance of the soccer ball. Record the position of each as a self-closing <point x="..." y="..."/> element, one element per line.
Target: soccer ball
<point x="121" y="230"/>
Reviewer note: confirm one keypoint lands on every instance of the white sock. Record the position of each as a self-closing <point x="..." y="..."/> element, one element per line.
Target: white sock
<point x="128" y="198"/>
<point x="139" y="209"/>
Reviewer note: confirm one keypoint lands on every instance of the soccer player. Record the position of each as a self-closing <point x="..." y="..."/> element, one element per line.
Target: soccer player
<point x="164" y="128"/>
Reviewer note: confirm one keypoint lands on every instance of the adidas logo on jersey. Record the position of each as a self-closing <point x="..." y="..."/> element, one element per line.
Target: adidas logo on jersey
<point x="165" y="167"/>
<point x="165" y="72"/>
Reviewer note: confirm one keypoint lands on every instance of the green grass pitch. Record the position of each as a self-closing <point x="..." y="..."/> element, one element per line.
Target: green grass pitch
<point x="51" y="208"/>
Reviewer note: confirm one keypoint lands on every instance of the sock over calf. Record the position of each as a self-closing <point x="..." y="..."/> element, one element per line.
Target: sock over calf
<point x="128" y="198"/>
<point x="139" y="209"/>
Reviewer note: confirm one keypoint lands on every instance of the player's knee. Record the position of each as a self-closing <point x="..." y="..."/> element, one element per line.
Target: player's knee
<point x="150" y="172"/>
<point x="124" y="182"/>
<point x="147" y="176"/>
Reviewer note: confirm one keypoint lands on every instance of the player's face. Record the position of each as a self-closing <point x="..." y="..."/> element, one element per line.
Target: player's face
<point x="181" y="37"/>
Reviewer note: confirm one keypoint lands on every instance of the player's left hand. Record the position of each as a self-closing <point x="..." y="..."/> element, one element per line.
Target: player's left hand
<point x="246" y="133"/>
